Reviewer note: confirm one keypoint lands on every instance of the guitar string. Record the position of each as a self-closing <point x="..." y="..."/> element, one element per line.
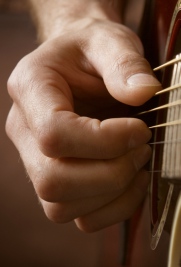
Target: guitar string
<point x="175" y="103"/>
<point x="157" y="171"/>
<point x="171" y="123"/>
<point x="168" y="89"/>
<point x="178" y="102"/>
<point x="176" y="141"/>
<point x="166" y="142"/>
<point x="169" y="105"/>
<point x="168" y="63"/>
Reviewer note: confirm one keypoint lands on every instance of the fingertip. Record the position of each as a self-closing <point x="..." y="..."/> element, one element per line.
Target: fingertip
<point x="141" y="134"/>
<point x="142" y="86"/>
<point x="137" y="90"/>
<point x="143" y="79"/>
<point x="131" y="80"/>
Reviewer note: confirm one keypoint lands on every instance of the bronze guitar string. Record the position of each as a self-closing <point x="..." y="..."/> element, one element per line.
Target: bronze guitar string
<point x="165" y="142"/>
<point x="169" y="63"/>
<point x="168" y="89"/>
<point x="174" y="104"/>
<point x="167" y="169"/>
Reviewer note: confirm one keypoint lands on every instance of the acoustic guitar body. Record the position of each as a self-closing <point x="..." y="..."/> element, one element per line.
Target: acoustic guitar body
<point x="153" y="236"/>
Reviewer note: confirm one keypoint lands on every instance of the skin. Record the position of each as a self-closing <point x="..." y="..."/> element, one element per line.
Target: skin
<point x="69" y="118"/>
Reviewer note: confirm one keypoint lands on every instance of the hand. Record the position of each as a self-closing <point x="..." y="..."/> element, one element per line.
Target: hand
<point x="83" y="168"/>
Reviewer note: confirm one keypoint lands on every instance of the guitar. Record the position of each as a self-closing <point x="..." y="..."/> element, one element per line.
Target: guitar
<point x="165" y="199"/>
<point x="153" y="235"/>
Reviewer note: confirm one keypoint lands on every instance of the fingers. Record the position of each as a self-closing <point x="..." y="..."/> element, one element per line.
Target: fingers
<point x="126" y="73"/>
<point x="99" y="192"/>
<point x="82" y="167"/>
<point x="119" y="209"/>
<point x="65" y="180"/>
<point x="59" y="132"/>
<point x="87" y="208"/>
<point x="48" y="103"/>
<point x="67" y="135"/>
<point x="68" y="179"/>
<point x="66" y="211"/>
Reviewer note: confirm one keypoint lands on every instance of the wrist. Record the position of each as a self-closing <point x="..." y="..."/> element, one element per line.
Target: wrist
<point x="59" y="16"/>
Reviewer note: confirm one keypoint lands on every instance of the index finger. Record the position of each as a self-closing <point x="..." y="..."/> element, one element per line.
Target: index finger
<point x="48" y="107"/>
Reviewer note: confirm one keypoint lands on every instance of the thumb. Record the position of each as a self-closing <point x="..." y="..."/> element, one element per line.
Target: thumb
<point x="126" y="73"/>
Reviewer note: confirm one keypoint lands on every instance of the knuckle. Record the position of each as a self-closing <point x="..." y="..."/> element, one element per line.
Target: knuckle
<point x="15" y="83"/>
<point x="22" y="75"/>
<point x="9" y="124"/>
<point x="51" y="137"/>
<point x="86" y="226"/>
<point x="47" y="136"/>
<point x="44" y="188"/>
<point x="57" y="213"/>
<point x="51" y="180"/>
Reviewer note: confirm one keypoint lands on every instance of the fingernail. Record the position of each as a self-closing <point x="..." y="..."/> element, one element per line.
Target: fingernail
<point x="142" y="156"/>
<point x="142" y="79"/>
